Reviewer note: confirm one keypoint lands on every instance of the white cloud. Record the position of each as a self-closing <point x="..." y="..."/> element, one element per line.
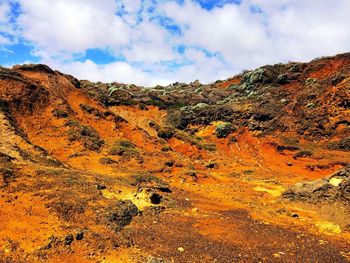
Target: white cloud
<point x="5" y="11"/>
<point x="285" y="30"/>
<point x="234" y="35"/>
<point x="64" y="26"/>
<point x="117" y="71"/>
<point x="5" y="27"/>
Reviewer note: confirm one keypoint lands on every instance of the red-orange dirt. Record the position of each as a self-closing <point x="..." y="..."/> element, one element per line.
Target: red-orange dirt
<point x="94" y="172"/>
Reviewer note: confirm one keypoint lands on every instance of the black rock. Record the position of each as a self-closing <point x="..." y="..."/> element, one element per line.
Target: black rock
<point x="68" y="240"/>
<point x="79" y="236"/>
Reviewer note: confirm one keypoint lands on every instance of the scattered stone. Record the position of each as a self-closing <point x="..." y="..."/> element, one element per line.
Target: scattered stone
<point x="192" y="174"/>
<point x="68" y="240"/>
<point x="181" y="249"/>
<point x="310" y="105"/>
<point x="100" y="187"/>
<point x="79" y="236"/>
<point x="170" y="163"/>
<point x="211" y="165"/>
<point x="53" y="242"/>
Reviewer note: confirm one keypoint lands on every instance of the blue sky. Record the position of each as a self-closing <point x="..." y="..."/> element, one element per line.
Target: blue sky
<point x="151" y="42"/>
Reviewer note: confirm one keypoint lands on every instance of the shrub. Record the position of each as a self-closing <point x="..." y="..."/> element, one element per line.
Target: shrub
<point x="60" y="114"/>
<point x="209" y="147"/>
<point x="124" y="148"/>
<point x="223" y="130"/>
<point x="341" y="145"/>
<point x="165" y="133"/>
<point x="90" y="110"/>
<point x="87" y="135"/>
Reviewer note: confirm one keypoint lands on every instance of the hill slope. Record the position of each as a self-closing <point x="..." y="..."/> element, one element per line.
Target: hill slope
<point x="189" y="172"/>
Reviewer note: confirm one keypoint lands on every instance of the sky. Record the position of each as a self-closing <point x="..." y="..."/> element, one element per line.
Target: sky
<point x="151" y="42"/>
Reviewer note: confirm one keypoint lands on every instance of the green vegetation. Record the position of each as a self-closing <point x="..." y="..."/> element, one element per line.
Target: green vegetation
<point x="194" y="140"/>
<point x="60" y="114"/>
<point x="123" y="148"/>
<point x="165" y="132"/>
<point x="87" y="135"/>
<point x="222" y="130"/>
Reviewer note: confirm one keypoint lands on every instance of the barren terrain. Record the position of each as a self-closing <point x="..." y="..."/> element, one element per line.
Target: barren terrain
<point x="250" y="169"/>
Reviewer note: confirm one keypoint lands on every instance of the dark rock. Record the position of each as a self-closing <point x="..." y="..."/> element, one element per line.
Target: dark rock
<point x="170" y="163"/>
<point x="100" y="187"/>
<point x="121" y="214"/>
<point x="192" y="174"/>
<point x="155" y="198"/>
<point x="79" y="236"/>
<point x="53" y="242"/>
<point x="68" y="240"/>
<point x="282" y="79"/>
<point x="211" y="165"/>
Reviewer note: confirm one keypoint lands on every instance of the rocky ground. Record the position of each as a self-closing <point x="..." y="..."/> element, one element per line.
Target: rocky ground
<point x="250" y="169"/>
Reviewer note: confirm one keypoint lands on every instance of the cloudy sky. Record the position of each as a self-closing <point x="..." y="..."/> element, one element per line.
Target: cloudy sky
<point x="152" y="42"/>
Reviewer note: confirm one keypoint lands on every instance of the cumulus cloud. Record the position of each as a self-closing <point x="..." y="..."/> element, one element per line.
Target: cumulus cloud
<point x="64" y="27"/>
<point x="6" y="29"/>
<point x="258" y="32"/>
<point x="167" y="41"/>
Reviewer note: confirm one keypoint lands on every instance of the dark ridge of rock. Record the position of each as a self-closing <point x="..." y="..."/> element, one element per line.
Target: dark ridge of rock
<point x="34" y="67"/>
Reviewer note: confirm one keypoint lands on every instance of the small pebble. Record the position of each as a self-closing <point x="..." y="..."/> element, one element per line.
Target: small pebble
<point x="181" y="249"/>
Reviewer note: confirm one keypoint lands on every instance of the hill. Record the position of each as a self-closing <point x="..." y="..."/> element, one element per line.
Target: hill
<point x="254" y="168"/>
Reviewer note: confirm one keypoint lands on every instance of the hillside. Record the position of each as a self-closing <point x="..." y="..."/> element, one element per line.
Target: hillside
<point x="255" y="168"/>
